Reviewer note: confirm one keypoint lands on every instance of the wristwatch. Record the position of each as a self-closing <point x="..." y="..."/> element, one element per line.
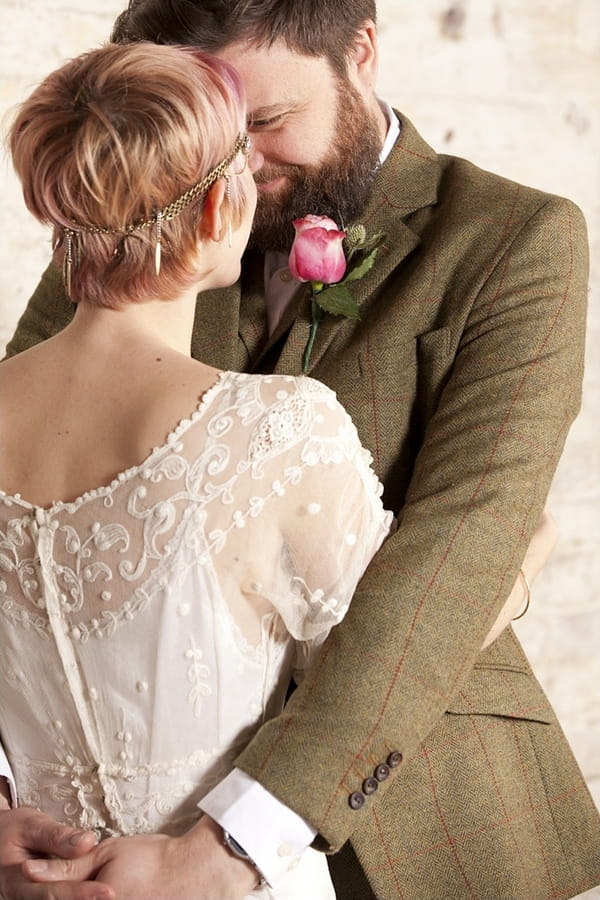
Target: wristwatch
<point x="237" y="850"/>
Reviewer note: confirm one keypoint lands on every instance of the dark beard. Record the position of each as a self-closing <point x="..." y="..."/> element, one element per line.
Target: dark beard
<point x="339" y="188"/>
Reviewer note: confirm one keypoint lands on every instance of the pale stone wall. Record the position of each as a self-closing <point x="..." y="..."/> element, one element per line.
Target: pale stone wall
<point x="513" y="85"/>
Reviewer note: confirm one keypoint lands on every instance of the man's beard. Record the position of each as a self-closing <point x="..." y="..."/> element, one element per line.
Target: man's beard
<point x="339" y="188"/>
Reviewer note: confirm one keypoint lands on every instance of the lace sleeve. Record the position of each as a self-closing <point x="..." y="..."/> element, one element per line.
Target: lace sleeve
<point x="332" y="522"/>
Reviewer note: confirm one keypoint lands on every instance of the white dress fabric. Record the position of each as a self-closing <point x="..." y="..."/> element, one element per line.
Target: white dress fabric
<point x="149" y="627"/>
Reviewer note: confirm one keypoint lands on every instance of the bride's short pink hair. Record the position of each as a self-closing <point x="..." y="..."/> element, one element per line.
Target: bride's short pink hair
<point x="111" y="137"/>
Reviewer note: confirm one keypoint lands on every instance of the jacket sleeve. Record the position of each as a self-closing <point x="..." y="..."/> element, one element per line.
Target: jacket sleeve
<point x="386" y="675"/>
<point x="47" y="313"/>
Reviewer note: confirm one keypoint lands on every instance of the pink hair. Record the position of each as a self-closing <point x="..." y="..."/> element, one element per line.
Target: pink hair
<point x="113" y="136"/>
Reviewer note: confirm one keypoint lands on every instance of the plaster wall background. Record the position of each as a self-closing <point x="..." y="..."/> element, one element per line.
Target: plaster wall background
<point x="514" y="85"/>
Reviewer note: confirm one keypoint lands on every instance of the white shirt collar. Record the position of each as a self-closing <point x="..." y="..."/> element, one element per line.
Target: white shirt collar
<point x="393" y="132"/>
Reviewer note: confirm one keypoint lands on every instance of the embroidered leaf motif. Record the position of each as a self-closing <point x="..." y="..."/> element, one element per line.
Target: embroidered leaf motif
<point x="27" y="573"/>
<point x="109" y="535"/>
<point x="6" y="563"/>
<point x="197" y="673"/>
<point x="172" y="467"/>
<point x="72" y="542"/>
<point x="97" y="570"/>
<point x="15" y="534"/>
<point x="71" y="584"/>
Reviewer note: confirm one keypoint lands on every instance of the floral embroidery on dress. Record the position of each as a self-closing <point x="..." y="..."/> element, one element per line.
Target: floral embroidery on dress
<point x="149" y="626"/>
<point x="198" y="675"/>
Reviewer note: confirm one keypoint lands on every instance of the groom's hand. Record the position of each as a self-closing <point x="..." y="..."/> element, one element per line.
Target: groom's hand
<point x="27" y="834"/>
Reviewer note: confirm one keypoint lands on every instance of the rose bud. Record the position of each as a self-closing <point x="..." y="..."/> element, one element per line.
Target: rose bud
<point x="317" y="253"/>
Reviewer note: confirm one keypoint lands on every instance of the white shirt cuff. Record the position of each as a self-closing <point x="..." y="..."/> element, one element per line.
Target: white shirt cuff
<point x="6" y="772"/>
<point x="273" y="836"/>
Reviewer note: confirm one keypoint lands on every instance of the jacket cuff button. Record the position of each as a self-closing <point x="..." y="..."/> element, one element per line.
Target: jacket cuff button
<point x="356" y="800"/>
<point x="381" y="772"/>
<point x="394" y="759"/>
<point x="370" y="785"/>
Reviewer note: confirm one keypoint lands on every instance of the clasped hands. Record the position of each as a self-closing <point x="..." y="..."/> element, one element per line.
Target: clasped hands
<point x="194" y="866"/>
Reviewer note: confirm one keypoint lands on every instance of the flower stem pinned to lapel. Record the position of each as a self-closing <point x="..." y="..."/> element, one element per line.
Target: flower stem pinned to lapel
<point x="329" y="259"/>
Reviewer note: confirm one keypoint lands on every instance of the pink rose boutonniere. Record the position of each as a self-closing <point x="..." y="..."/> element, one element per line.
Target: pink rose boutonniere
<point x="329" y="259"/>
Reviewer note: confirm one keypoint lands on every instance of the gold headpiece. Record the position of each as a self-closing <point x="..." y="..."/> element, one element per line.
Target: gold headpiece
<point x="242" y="145"/>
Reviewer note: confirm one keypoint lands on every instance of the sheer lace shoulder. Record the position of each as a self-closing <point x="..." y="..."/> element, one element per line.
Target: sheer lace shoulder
<point x="330" y="515"/>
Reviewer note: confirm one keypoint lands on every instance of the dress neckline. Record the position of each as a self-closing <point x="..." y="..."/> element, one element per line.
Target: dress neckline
<point x="126" y="475"/>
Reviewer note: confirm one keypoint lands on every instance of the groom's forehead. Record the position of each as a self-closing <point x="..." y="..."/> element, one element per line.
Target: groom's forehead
<point x="275" y="75"/>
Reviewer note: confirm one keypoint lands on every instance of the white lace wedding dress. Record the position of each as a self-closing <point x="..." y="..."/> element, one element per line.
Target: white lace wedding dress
<point x="149" y="627"/>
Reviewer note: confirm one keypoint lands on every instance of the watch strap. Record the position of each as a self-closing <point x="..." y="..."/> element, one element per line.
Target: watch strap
<point x="236" y="848"/>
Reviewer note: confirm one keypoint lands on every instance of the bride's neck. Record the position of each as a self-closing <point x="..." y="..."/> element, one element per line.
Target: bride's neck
<point x="158" y="323"/>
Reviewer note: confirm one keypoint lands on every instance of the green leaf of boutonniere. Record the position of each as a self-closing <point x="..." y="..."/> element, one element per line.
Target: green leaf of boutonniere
<point x="338" y="300"/>
<point x="362" y="267"/>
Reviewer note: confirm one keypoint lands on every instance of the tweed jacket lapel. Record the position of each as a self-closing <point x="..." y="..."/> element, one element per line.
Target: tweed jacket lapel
<point x="293" y="325"/>
<point x="407" y="181"/>
<point x="253" y="327"/>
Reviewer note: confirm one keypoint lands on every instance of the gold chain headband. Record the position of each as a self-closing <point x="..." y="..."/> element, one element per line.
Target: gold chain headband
<point x="242" y="145"/>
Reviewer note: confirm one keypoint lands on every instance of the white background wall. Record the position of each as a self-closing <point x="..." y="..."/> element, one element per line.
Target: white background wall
<point x="513" y="85"/>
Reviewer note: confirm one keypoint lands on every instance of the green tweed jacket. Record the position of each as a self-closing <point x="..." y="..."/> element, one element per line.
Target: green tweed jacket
<point x="436" y="772"/>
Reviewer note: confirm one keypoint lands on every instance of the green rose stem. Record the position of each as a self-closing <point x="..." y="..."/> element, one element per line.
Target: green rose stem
<point x="317" y="315"/>
<point x="336" y="298"/>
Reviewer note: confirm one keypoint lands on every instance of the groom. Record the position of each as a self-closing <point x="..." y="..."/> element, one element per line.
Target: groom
<point x="431" y="770"/>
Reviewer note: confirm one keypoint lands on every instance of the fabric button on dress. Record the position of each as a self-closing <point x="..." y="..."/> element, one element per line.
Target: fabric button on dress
<point x="382" y="772"/>
<point x="356" y="800"/>
<point x="394" y="759"/>
<point x="370" y="785"/>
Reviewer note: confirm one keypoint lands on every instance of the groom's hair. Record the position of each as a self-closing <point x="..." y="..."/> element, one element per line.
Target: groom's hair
<point x="321" y="28"/>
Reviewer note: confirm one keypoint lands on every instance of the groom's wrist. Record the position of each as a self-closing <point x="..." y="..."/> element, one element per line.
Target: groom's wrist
<point x="226" y="871"/>
<point x="237" y="850"/>
<point x="272" y="835"/>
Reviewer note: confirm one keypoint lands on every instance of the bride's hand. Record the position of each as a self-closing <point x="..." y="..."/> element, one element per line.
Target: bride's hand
<point x="27" y="833"/>
<point x="539" y="550"/>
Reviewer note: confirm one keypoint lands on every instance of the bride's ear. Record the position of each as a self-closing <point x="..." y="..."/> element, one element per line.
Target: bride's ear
<point x="212" y="224"/>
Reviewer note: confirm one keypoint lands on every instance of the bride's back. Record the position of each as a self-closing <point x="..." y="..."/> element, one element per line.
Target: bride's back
<point x="73" y="416"/>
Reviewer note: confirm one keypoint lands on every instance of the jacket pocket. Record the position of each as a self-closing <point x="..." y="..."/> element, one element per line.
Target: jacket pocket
<point x="502" y="691"/>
